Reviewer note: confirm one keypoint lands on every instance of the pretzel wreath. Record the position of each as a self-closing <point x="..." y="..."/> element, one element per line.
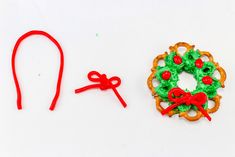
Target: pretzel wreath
<point x="183" y="101"/>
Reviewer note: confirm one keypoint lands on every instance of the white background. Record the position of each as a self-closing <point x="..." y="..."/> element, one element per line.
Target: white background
<point x="117" y="38"/>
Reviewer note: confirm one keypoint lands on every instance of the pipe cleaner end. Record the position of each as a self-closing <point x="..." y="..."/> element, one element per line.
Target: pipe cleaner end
<point x="19" y="105"/>
<point x="52" y="108"/>
<point x="209" y="118"/>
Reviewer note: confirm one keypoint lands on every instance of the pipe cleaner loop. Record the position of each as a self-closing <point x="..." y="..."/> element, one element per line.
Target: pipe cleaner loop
<point x="26" y="35"/>
<point x="103" y="83"/>
<point x="182" y="97"/>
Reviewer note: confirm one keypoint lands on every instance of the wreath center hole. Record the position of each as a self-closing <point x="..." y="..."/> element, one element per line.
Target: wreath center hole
<point x="187" y="81"/>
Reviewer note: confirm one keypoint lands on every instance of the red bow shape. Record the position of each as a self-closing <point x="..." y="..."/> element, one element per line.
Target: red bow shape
<point x="104" y="84"/>
<point x="182" y="97"/>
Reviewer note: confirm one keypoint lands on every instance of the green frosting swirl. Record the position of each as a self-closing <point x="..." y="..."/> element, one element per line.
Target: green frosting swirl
<point x="166" y="85"/>
<point x="208" y="69"/>
<point x="188" y="65"/>
<point x="169" y="60"/>
<point x="189" y="59"/>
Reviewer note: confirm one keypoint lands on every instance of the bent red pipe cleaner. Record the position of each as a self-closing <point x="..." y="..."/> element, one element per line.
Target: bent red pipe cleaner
<point x="24" y="36"/>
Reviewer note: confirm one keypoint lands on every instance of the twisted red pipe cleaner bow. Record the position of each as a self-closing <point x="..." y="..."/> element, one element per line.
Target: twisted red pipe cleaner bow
<point x="103" y="83"/>
<point x="30" y="33"/>
<point x="182" y="97"/>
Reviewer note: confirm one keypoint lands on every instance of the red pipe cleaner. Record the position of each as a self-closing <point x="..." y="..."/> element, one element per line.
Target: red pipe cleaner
<point x="30" y="33"/>
<point x="104" y="84"/>
<point x="181" y="97"/>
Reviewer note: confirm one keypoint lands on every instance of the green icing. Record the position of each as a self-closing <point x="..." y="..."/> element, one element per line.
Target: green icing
<point x="163" y="89"/>
<point x="166" y="85"/>
<point x="170" y="62"/>
<point x="189" y="59"/>
<point x="210" y="90"/>
<point x="208" y="69"/>
<point x="183" y="108"/>
<point x="174" y="75"/>
<point x="188" y="65"/>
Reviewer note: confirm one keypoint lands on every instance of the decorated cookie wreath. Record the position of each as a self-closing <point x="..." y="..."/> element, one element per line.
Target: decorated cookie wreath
<point x="183" y="101"/>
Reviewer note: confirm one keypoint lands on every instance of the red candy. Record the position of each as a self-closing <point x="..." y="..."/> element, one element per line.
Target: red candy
<point x="199" y="63"/>
<point x="166" y="75"/>
<point x="177" y="60"/>
<point x="207" y="80"/>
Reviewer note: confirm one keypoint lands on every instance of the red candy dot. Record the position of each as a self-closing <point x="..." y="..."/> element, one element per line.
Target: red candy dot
<point x="177" y="60"/>
<point x="199" y="63"/>
<point x="166" y="75"/>
<point x="207" y="80"/>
